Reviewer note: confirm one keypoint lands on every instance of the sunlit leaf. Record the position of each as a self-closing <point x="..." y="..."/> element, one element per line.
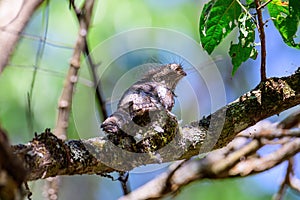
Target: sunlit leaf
<point x="245" y="48"/>
<point x="218" y="18"/>
<point x="286" y="19"/>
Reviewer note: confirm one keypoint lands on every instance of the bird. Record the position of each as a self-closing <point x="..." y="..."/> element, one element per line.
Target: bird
<point x="145" y="104"/>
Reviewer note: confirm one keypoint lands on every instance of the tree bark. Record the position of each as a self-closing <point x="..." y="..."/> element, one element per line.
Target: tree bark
<point x="14" y="16"/>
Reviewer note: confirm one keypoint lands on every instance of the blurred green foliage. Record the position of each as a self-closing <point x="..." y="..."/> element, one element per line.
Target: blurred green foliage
<point x="110" y="17"/>
<point x="227" y="189"/>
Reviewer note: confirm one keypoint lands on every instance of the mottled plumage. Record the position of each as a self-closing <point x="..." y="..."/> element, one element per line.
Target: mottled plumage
<point x="141" y="102"/>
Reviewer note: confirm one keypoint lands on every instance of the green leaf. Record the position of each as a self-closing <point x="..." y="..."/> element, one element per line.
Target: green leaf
<point x="295" y="7"/>
<point x="218" y="18"/>
<point x="286" y="19"/>
<point x="250" y="4"/>
<point x="245" y="48"/>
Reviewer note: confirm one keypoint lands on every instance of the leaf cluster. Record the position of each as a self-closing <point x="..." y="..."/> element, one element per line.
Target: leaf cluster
<point x="219" y="17"/>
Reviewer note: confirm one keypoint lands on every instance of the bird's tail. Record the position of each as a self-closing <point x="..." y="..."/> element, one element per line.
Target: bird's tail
<point x="116" y="121"/>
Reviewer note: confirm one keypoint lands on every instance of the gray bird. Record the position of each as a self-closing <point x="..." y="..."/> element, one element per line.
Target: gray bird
<point x="147" y="103"/>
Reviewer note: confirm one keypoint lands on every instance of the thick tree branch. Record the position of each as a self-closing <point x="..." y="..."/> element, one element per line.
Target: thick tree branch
<point x="46" y="155"/>
<point x="259" y="104"/>
<point x="17" y="14"/>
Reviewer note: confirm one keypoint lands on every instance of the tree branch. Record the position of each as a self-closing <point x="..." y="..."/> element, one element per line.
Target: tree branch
<point x="264" y="4"/>
<point x="262" y="40"/>
<point x="17" y="14"/>
<point x="45" y="155"/>
<point x="65" y="101"/>
<point x="284" y="183"/>
<point x="93" y="68"/>
<point x="238" y="159"/>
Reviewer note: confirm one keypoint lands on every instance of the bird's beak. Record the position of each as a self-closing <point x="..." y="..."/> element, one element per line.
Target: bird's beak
<point x="182" y="73"/>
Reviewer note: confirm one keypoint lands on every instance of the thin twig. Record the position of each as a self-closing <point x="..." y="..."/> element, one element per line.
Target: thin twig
<point x="262" y="40"/>
<point x="290" y="121"/>
<point x="12" y="25"/>
<point x="123" y="179"/>
<point x="272" y="134"/>
<point x="38" y="58"/>
<point x="93" y="68"/>
<point x="246" y="11"/>
<point x="283" y="186"/>
<point x="294" y="182"/>
<point x="264" y="4"/>
<point x="65" y="101"/>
